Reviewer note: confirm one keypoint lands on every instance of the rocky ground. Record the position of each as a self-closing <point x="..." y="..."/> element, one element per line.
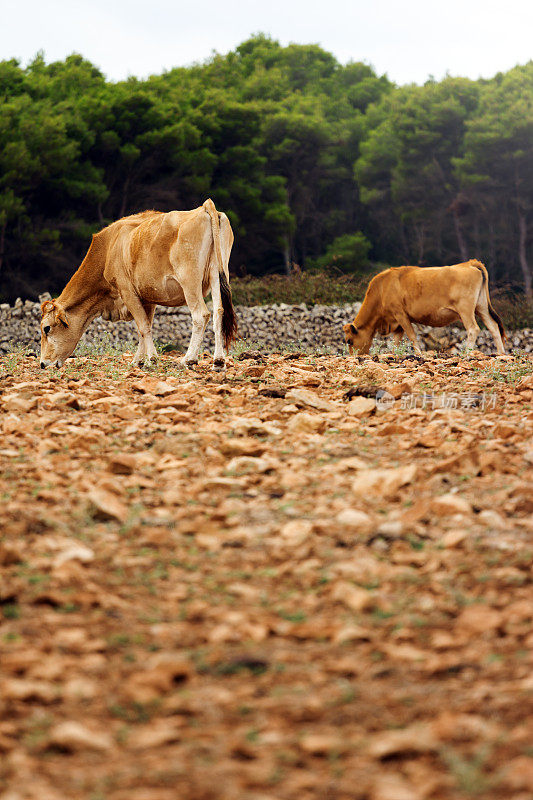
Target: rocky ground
<point x="312" y="328"/>
<point x="266" y="585"/>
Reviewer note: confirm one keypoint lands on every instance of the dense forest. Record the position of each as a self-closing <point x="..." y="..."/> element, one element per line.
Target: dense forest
<point x="317" y="164"/>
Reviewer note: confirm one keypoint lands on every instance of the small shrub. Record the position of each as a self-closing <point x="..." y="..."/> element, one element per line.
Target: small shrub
<point x="515" y="309"/>
<point x="347" y="253"/>
<point x="326" y="287"/>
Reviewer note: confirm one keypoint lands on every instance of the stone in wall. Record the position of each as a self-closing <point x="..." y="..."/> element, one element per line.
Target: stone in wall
<point x="267" y="327"/>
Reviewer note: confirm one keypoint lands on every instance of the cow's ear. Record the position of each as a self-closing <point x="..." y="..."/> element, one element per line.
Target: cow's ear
<point x="61" y="317"/>
<point x="353" y="328"/>
<point x="47" y="306"/>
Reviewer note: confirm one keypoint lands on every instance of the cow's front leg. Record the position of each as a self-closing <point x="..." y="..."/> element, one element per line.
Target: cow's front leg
<point x="409" y="331"/>
<point x="143" y="315"/>
<point x="397" y="336"/>
<point x="138" y="358"/>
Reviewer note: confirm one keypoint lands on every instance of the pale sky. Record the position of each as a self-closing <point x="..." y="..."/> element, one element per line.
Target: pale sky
<point x="407" y="39"/>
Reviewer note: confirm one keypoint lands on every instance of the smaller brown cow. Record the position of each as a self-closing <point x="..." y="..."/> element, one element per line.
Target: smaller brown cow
<point x="436" y="296"/>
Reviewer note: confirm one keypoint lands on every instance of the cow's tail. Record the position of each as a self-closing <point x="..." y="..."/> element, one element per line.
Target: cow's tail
<point x="229" y="320"/>
<point x="482" y="268"/>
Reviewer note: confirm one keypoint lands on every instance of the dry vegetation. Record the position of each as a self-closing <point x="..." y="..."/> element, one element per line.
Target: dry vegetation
<point x="327" y="288"/>
<point x="253" y="587"/>
<point x="334" y="288"/>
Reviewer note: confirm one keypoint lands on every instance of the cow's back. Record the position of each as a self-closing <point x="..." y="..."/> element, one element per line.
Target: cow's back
<point x="432" y="295"/>
<point x="440" y="284"/>
<point x="149" y="250"/>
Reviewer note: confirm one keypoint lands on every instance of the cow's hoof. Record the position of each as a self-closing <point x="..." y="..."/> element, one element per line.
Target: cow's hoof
<point x="188" y="364"/>
<point x="219" y="364"/>
<point x="144" y="361"/>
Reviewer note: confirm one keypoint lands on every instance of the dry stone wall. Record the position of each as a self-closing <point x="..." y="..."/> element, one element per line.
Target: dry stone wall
<point x="269" y="327"/>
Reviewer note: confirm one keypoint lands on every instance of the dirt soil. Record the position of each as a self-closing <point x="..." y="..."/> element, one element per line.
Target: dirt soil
<point x="251" y="586"/>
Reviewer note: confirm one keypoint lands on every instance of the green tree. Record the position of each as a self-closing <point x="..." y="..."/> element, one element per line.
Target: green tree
<point x="347" y="253"/>
<point x="407" y="164"/>
<point x="43" y="181"/>
<point x="496" y="170"/>
<point x="442" y="171"/>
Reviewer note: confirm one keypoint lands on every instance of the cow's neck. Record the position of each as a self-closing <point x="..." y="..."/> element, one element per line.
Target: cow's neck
<point x="366" y="322"/>
<point x="86" y="292"/>
<point x="366" y="316"/>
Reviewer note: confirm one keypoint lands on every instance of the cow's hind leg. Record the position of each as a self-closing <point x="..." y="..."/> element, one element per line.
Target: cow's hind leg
<point x="219" y="360"/>
<point x="483" y="310"/>
<point x="200" y="317"/>
<point x="468" y="318"/>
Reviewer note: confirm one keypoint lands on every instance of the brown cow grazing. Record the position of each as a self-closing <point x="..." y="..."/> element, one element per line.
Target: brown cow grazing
<point x="137" y="262"/>
<point x="437" y="296"/>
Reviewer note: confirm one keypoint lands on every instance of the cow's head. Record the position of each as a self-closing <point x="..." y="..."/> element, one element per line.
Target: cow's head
<point x="59" y="336"/>
<point x="356" y="339"/>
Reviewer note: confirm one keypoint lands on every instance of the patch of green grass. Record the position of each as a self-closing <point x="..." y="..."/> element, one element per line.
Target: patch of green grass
<point x="415" y="542"/>
<point x="11" y="636"/>
<point x="134" y="712"/>
<point x="494" y="658"/>
<point x="387" y="345"/>
<point x="37" y="732"/>
<point x="25" y="572"/>
<point x="104" y="345"/>
<point x="403" y="348"/>
<point x="469" y="772"/>
<point x="10" y="362"/>
<point x="68" y="608"/>
<point x="239" y="665"/>
<point x="293" y="616"/>
<point x="513" y="371"/>
<point x="11" y="611"/>
<point x="418" y="622"/>
<point x="119" y="640"/>
<point x="379" y="614"/>
<point x="348" y="693"/>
